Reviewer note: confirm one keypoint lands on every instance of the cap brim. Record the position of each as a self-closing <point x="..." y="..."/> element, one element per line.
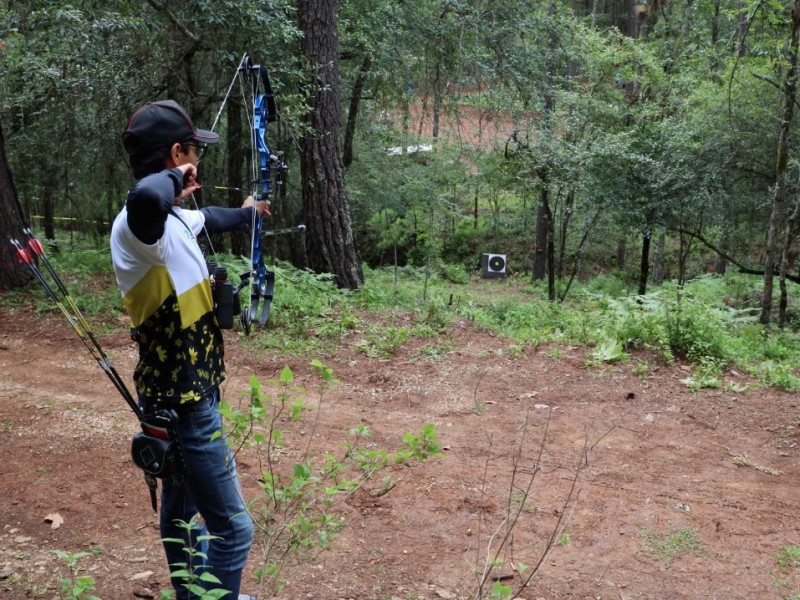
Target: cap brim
<point x="206" y="137"/>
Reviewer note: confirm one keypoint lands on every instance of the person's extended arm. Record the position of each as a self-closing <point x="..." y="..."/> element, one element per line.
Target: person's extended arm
<point x="151" y="199"/>
<point x="220" y="219"/>
<point x="230" y="219"/>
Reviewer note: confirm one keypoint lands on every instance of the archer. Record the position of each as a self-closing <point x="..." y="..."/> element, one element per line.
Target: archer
<point x="166" y="290"/>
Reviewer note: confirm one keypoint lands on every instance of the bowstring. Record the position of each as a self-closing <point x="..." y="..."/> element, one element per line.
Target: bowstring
<point x="254" y="159"/>
<point x="228" y="92"/>
<point x="236" y="76"/>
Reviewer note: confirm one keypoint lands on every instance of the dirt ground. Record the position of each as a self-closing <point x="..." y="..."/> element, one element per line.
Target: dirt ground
<point x="678" y="494"/>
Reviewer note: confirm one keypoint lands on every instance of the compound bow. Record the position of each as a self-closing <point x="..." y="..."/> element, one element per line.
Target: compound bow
<point x="268" y="174"/>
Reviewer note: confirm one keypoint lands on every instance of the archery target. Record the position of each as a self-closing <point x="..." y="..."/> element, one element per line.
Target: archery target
<point x="494" y="265"/>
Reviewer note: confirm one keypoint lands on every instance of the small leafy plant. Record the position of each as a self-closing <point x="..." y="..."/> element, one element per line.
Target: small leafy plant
<point x="419" y="447"/>
<point x="788" y="560"/>
<point x="192" y="573"/>
<point x="76" y="586"/>
<point x="382" y="342"/>
<point x="664" y="547"/>
<point x="788" y="557"/>
<point x="609" y="351"/>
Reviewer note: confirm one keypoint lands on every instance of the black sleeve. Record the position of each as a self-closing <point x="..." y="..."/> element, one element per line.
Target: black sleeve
<point x="220" y="219"/>
<point x="150" y="201"/>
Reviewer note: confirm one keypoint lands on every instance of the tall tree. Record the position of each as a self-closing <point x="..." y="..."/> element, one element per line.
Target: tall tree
<point x="330" y="243"/>
<point x="777" y="216"/>
<point x="12" y="272"/>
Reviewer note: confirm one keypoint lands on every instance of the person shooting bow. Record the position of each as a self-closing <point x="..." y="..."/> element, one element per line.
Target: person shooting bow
<point x="164" y="281"/>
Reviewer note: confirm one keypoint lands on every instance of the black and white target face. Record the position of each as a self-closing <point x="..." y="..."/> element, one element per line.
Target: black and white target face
<point x="497" y="263"/>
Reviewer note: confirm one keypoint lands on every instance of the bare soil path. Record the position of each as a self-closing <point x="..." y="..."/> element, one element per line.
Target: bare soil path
<point x="679" y="494"/>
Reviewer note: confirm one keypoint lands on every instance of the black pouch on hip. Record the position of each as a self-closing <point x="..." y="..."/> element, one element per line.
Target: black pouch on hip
<point x="155" y="450"/>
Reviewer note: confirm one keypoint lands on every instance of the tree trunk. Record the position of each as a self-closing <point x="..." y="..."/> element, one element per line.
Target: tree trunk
<point x="50" y="191"/>
<point x="544" y="214"/>
<point x="542" y="227"/>
<point x="741" y="31"/>
<point x="658" y="259"/>
<point x="713" y="63"/>
<point x="684" y="249"/>
<point x="715" y="19"/>
<point x="644" y="268"/>
<point x="569" y="202"/>
<point x="551" y="259"/>
<point x="634" y="8"/>
<point x="437" y="102"/>
<point x="777" y="216"/>
<point x="721" y="263"/>
<point x="12" y="272"/>
<point x="622" y="255"/>
<point x="580" y="253"/>
<point x="790" y="234"/>
<point x="475" y="211"/>
<point x="330" y="243"/>
<point x="352" y="113"/>
<point x="783" y="302"/>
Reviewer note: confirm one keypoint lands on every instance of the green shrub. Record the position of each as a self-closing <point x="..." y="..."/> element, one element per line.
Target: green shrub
<point x="454" y="273"/>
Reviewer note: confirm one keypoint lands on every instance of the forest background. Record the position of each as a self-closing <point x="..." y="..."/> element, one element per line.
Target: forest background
<point x="648" y="139"/>
<point x="635" y="162"/>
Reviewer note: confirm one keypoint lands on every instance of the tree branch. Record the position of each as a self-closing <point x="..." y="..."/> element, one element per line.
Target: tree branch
<point x="767" y="80"/>
<point x="730" y="259"/>
<point x="161" y="7"/>
<point x="775" y="84"/>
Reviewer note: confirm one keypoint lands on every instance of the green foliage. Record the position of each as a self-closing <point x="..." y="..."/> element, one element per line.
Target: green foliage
<point x="500" y="591"/>
<point x="533" y="320"/>
<point x="419" y="447"/>
<point x="454" y="273"/>
<point x="85" y="269"/>
<point x="695" y="331"/>
<point x="664" y="547"/>
<point x="708" y="321"/>
<point x="76" y="586"/>
<point x="433" y="352"/>
<point x="628" y="136"/>
<point x="77" y="55"/>
<point x="382" y="342"/>
<point x="192" y="576"/>
<point x="309" y="313"/>
<point x="781" y="375"/>
<point x="706" y="376"/>
<point x="79" y="260"/>
<point x="609" y="351"/>
<point x="692" y="323"/>
<point x="614" y="285"/>
<point x="641" y="368"/>
<point x="788" y="557"/>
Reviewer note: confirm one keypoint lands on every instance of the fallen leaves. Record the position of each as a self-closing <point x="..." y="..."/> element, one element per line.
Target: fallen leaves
<point x="55" y="520"/>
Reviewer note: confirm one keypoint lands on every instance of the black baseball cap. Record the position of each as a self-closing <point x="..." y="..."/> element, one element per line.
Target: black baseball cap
<point x="161" y="124"/>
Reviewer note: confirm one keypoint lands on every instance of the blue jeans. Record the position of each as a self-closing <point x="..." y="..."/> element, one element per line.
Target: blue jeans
<point x="210" y="487"/>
